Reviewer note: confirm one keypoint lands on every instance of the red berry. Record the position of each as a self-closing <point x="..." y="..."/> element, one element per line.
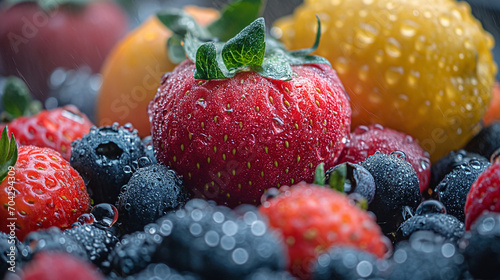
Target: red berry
<point x="54" y="129"/>
<point x="47" y="192"/>
<point x="312" y="219"/>
<point x="59" y="266"/>
<point x="366" y="140"/>
<point x="233" y="138"/>
<point x="484" y="195"/>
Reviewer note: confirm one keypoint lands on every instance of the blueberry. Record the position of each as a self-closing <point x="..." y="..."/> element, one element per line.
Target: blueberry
<point x="453" y="189"/>
<point x="425" y="256"/>
<point x="345" y="263"/>
<point x="486" y="142"/>
<point x="152" y="192"/>
<point x="431" y="216"/>
<point x="449" y="162"/>
<point x="396" y="189"/>
<point x="105" y="158"/>
<point x="216" y="242"/>
<point x="96" y="241"/>
<point x="482" y="247"/>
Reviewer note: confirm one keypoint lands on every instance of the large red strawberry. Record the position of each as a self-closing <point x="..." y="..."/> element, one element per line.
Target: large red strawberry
<point x="367" y="140"/>
<point x="312" y="218"/>
<point x="39" y="191"/>
<point x="484" y="194"/>
<point x="236" y="128"/>
<point x="38" y="36"/>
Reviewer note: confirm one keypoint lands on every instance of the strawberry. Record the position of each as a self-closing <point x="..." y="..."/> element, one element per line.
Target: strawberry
<point x="367" y="140"/>
<point x="58" y="266"/>
<point x="484" y="194"/>
<point x="312" y="219"/>
<point x="36" y="37"/>
<point x="39" y="191"/>
<point x="55" y="129"/>
<point x="234" y="134"/>
<point x="424" y="68"/>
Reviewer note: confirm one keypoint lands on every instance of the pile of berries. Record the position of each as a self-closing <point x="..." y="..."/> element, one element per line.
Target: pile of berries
<point x="265" y="163"/>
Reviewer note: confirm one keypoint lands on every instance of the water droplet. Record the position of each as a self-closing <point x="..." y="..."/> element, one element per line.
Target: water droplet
<point x="227" y="242"/>
<point x="143" y="162"/>
<point x="128" y="126"/>
<point x="105" y="215"/>
<point x="430" y="207"/>
<point x="408" y="28"/>
<point x="424" y="164"/>
<point x="240" y="256"/>
<point x="444" y="20"/>
<point x="258" y="228"/>
<point x="399" y="154"/>
<point x="218" y="217"/>
<point x="277" y="124"/>
<point x="393" y="74"/>
<point x="212" y="238"/>
<point x="361" y="129"/>
<point x="85" y="219"/>
<point x="448" y="250"/>
<point x="365" y="35"/>
<point x="229" y="228"/>
<point x="393" y="48"/>
<point x="127" y="169"/>
<point x="341" y="65"/>
<point x="364" y="269"/>
<point x="195" y="229"/>
<point x="201" y="102"/>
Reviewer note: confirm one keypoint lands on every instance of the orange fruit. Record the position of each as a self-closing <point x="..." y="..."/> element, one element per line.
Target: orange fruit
<point x="132" y="72"/>
<point x="424" y="67"/>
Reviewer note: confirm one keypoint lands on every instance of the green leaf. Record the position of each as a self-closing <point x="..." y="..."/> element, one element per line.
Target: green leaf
<point x="180" y="22"/>
<point x="276" y="66"/>
<point x="247" y="48"/>
<point x="234" y="17"/>
<point x="8" y="153"/>
<point x="319" y="174"/>
<point x="175" y="49"/>
<point x="191" y="46"/>
<point x="207" y="67"/>
<point x="16" y="97"/>
<point x="338" y="177"/>
<point x="48" y="5"/>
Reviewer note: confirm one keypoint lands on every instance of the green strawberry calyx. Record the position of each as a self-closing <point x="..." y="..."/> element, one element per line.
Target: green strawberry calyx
<point x="48" y="5"/>
<point x="16" y="100"/>
<point x="234" y="17"/>
<point x="8" y="154"/>
<point x="248" y="50"/>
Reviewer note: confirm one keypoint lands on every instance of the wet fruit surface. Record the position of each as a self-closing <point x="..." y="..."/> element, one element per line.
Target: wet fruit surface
<point x="133" y="71"/>
<point x="426" y="70"/>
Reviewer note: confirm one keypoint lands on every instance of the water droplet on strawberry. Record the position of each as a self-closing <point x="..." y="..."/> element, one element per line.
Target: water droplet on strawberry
<point x="361" y="129"/>
<point x="424" y="164"/>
